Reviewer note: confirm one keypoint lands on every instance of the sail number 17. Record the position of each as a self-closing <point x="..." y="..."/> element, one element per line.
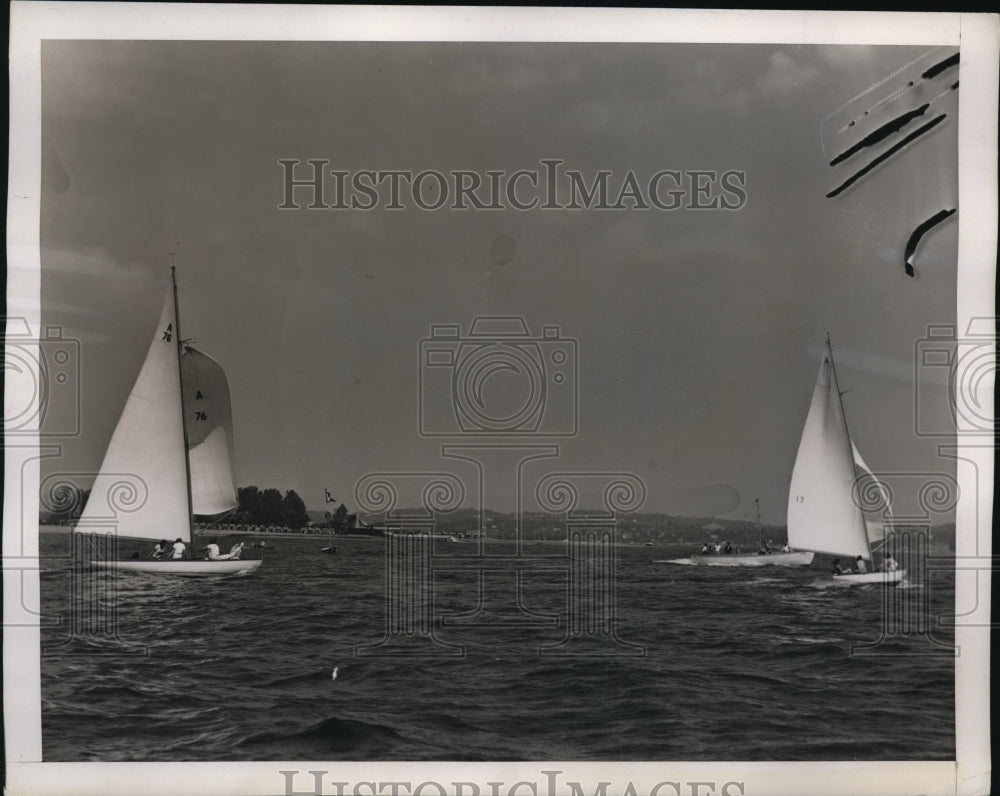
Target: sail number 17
<point x="799" y="499"/>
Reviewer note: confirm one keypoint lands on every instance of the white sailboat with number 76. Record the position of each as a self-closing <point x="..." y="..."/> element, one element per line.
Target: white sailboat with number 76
<point x="173" y="451"/>
<point x="824" y="506"/>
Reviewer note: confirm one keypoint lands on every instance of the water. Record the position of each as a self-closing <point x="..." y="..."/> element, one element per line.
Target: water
<point x="740" y="664"/>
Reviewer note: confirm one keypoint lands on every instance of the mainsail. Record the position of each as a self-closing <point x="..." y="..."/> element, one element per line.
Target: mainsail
<point x="141" y="489"/>
<point x="209" y="420"/>
<point x="822" y="513"/>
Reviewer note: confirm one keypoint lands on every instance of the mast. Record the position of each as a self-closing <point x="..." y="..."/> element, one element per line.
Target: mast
<point x="760" y="528"/>
<point x="847" y="431"/>
<point x="180" y="384"/>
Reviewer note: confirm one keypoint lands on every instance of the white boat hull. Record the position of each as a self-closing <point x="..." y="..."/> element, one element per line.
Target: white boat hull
<point x="186" y="568"/>
<point x="869" y="578"/>
<point x="797" y="558"/>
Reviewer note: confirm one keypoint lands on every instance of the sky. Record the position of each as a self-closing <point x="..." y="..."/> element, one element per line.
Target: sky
<point x="695" y="333"/>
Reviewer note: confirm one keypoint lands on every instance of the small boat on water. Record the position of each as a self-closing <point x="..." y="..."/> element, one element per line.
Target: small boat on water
<point x="795" y="558"/>
<point x="763" y="558"/>
<point x="174" y="445"/>
<point x="824" y="513"/>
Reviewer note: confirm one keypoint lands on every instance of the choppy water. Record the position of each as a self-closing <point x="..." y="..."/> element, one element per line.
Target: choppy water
<point x="740" y="664"/>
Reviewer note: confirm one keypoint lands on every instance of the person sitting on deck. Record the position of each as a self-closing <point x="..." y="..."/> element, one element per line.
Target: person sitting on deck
<point x="704" y="549"/>
<point x="859" y="563"/>
<point x="889" y="563"/>
<point x="159" y="549"/>
<point x="178" y="550"/>
<point x="718" y="547"/>
<point x="839" y="570"/>
<point x="729" y="548"/>
<point x="212" y="551"/>
<point x="785" y="548"/>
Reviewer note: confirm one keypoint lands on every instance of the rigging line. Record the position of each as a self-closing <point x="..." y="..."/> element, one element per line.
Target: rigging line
<point x="847" y="431"/>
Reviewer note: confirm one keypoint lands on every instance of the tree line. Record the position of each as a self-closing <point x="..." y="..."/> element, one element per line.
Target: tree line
<point x="270" y="507"/>
<point x="256" y="507"/>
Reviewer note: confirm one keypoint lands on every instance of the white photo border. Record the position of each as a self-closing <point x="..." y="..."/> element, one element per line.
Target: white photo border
<point x="978" y="38"/>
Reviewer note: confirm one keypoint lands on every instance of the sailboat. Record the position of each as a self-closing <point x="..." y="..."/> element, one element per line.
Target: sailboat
<point x="762" y="558"/>
<point x="174" y="445"/>
<point x="823" y="513"/>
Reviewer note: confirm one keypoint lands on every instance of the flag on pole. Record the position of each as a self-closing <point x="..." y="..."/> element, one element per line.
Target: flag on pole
<point x="329" y="498"/>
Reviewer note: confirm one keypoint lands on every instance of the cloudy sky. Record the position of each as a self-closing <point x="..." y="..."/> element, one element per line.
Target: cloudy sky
<point x="697" y="331"/>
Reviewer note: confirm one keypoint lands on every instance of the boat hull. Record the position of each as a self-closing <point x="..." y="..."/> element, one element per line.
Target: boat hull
<point x="185" y="568"/>
<point x="872" y="578"/>
<point x="797" y="558"/>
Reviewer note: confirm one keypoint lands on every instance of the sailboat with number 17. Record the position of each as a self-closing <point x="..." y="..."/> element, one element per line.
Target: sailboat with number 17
<point x="824" y="506"/>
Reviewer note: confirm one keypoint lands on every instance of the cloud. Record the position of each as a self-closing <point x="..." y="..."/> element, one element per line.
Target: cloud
<point x="785" y="76"/>
<point x="847" y="55"/>
<point x="479" y="77"/>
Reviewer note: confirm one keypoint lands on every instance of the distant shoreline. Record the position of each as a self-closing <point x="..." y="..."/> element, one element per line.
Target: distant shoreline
<point x="937" y="549"/>
<point x="67" y="529"/>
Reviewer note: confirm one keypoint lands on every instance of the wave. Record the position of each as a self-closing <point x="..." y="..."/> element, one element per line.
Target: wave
<point x="333" y="734"/>
<point x="324" y="675"/>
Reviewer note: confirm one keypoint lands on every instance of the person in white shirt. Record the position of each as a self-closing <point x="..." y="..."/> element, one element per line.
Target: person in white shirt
<point x="859" y="565"/>
<point x="159" y="549"/>
<point x="212" y="551"/>
<point x="179" y="548"/>
<point x="889" y="563"/>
